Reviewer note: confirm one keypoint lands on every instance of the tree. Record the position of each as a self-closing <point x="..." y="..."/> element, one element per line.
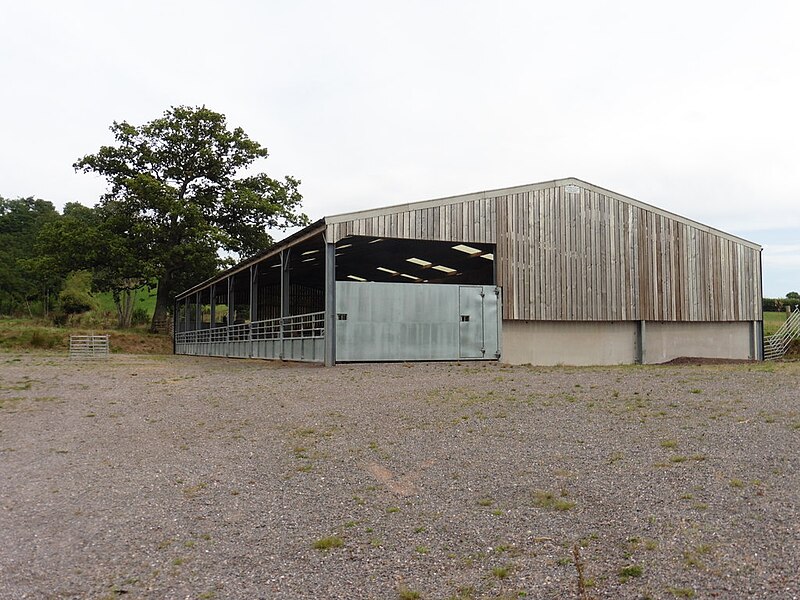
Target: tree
<point x="793" y="296"/>
<point x="21" y="220"/>
<point x="76" y="296"/>
<point x="90" y="239"/>
<point x="175" y="194"/>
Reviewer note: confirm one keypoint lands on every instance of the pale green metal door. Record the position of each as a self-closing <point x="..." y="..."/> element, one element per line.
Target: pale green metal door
<point x="470" y="304"/>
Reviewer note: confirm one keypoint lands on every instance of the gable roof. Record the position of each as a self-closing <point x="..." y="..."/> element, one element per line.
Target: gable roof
<point x="447" y="200"/>
<point x="320" y="225"/>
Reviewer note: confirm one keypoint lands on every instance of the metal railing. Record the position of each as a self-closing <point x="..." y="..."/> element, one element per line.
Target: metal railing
<point x="776" y="345"/>
<point x="306" y="326"/>
<point x="310" y="325"/>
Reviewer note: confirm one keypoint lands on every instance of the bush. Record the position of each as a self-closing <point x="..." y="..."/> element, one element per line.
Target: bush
<point x="43" y="340"/>
<point x="73" y="303"/>
<point x="141" y="316"/>
<point x="59" y="318"/>
<point x="93" y="319"/>
<point x="779" y="304"/>
<point x="75" y="298"/>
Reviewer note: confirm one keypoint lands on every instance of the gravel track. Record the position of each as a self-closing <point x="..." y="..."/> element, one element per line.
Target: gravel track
<point x="182" y="477"/>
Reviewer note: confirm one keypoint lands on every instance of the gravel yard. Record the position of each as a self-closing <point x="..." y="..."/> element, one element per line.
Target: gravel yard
<point x="181" y="477"/>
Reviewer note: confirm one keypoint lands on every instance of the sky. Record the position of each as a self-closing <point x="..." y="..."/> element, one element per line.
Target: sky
<point x="692" y="106"/>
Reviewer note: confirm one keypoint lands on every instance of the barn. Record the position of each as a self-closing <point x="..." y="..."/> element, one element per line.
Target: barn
<point x="559" y="272"/>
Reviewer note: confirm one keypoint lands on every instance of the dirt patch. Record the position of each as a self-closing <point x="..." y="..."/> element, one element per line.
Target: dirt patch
<point x="699" y="361"/>
<point x="402" y="486"/>
<point x="185" y="477"/>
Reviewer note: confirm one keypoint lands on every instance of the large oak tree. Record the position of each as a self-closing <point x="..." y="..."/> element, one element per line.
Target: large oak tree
<point x="180" y="189"/>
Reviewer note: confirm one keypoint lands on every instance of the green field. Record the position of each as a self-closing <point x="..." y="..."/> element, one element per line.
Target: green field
<point x="144" y="299"/>
<point x="772" y="321"/>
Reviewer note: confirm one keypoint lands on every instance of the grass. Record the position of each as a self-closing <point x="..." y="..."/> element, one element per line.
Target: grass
<point x="19" y="386"/>
<point x="405" y="593"/>
<point x="693" y="556"/>
<point x="28" y="334"/>
<point x="549" y="501"/>
<point x="9" y="402"/>
<point x="615" y="457"/>
<point x="773" y="321"/>
<point x="194" y="490"/>
<point x="19" y="334"/>
<point x="145" y="299"/>
<point x="626" y="573"/>
<point x="501" y="572"/>
<point x="328" y="543"/>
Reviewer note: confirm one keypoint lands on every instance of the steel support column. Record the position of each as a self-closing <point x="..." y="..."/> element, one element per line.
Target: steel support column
<point x="286" y="256"/>
<point x="186" y="313"/>
<point x="230" y="317"/>
<point x="330" y="304"/>
<point x="757" y="338"/>
<point x="212" y="294"/>
<point x="253" y="304"/>
<point x="641" y="332"/>
<point x="254" y="292"/>
<point x="198" y="312"/>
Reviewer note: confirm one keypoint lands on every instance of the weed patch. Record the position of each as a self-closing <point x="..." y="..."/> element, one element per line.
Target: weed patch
<point x="328" y="543"/>
<point x="550" y="501"/>
<point x="626" y="573"/>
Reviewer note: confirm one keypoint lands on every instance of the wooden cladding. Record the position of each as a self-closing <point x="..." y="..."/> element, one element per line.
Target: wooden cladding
<point x="593" y="257"/>
<point x="472" y="220"/>
<point x="586" y="256"/>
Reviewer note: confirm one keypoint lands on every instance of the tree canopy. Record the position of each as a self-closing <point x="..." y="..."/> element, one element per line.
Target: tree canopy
<point x="180" y="190"/>
<point x="21" y="220"/>
<point x="91" y="239"/>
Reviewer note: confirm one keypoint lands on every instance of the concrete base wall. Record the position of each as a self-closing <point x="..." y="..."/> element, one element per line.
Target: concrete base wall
<point x="664" y="341"/>
<point x="569" y="342"/>
<point x="618" y="342"/>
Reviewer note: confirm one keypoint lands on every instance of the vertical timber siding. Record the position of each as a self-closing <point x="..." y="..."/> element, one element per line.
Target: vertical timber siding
<point x="470" y="220"/>
<point x="591" y="256"/>
<point x="586" y="256"/>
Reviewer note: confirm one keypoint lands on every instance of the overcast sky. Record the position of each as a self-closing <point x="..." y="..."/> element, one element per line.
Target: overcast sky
<point x="693" y="106"/>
